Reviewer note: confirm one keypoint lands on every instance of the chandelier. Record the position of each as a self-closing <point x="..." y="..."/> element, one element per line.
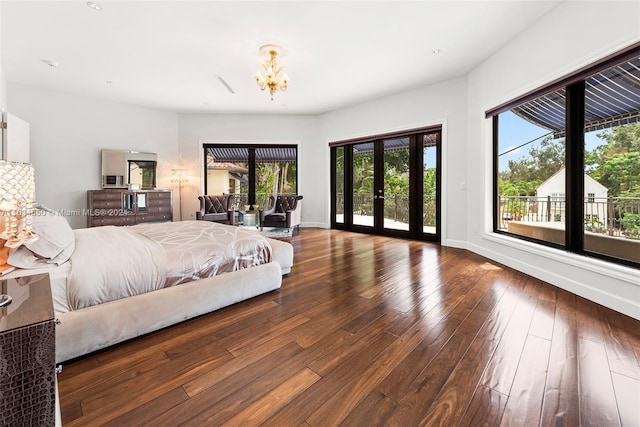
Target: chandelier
<point x="272" y="80"/>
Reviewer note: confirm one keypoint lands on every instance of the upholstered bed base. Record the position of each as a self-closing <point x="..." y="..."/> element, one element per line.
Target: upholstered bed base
<point x="89" y="329"/>
<point x="92" y="328"/>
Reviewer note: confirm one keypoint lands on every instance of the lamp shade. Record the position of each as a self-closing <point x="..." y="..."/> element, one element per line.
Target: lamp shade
<point x="17" y="198"/>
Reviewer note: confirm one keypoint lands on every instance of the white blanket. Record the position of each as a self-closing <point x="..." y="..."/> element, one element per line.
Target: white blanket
<point x="110" y="262"/>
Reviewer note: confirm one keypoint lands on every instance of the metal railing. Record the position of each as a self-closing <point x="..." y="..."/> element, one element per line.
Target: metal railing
<point x="614" y="216"/>
<point x="396" y="207"/>
<point x="240" y="200"/>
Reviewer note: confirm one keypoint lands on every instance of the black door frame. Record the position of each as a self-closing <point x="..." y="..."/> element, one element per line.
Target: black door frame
<point x="415" y="185"/>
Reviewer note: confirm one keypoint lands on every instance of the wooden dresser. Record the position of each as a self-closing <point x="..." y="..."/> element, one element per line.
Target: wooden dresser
<point x="128" y="207"/>
<point x="27" y="353"/>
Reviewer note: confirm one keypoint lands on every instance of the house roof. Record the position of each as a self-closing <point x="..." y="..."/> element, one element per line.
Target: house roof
<point x="226" y="166"/>
<point x="611" y="99"/>
<point x="561" y="173"/>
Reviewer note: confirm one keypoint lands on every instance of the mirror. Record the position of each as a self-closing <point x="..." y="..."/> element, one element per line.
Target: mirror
<point x="137" y="202"/>
<point x="128" y="169"/>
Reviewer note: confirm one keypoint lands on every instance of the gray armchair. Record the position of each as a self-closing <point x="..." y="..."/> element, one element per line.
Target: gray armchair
<point x="283" y="212"/>
<point x="217" y="208"/>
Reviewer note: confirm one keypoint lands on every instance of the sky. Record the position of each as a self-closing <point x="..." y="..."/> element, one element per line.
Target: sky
<point x="515" y="131"/>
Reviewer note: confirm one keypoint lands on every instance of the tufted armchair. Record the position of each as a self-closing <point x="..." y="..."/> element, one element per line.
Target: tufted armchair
<point x="218" y="208"/>
<point x="284" y="212"/>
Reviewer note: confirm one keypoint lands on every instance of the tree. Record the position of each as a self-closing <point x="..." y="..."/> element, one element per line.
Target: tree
<point x="275" y="177"/>
<point x="616" y="164"/>
<point x="620" y="173"/>
<point x="526" y="174"/>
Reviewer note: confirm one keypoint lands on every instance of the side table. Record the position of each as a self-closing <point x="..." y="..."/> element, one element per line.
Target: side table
<point x="27" y="353"/>
<point x="250" y="218"/>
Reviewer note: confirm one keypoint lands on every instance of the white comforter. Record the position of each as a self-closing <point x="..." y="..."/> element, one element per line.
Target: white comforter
<point x="110" y="262"/>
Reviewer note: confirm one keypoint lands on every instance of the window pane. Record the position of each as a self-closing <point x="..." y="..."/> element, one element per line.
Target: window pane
<point x="531" y="174"/>
<point x="612" y="162"/>
<point x="363" y="184"/>
<point x="339" y="185"/>
<point x="396" y="183"/>
<point x="429" y="182"/>
<point x="275" y="173"/>
<point x="228" y="173"/>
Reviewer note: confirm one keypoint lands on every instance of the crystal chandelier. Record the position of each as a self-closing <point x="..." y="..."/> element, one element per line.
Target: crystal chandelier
<point x="272" y="80"/>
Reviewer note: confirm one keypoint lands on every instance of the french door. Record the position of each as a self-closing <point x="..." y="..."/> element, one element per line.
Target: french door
<point x="388" y="185"/>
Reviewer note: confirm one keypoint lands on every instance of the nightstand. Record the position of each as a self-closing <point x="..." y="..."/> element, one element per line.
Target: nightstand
<point x="27" y="353"/>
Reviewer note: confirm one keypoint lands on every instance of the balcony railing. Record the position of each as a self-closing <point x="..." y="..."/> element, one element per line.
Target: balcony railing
<point x="614" y="216"/>
<point x="396" y="207"/>
<point x="240" y="200"/>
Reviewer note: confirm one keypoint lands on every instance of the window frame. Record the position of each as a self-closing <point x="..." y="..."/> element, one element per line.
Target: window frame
<point x="574" y="154"/>
<point x="251" y="162"/>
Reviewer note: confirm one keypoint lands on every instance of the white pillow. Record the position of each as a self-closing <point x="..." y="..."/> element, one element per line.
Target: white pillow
<point x="54" y="245"/>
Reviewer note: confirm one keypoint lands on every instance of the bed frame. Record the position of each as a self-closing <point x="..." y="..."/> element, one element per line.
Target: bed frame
<point x="84" y="331"/>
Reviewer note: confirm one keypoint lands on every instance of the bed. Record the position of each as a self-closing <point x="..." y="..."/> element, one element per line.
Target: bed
<point x="111" y="284"/>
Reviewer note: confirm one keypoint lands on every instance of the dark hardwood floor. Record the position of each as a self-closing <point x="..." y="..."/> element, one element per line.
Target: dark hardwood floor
<point x="370" y="330"/>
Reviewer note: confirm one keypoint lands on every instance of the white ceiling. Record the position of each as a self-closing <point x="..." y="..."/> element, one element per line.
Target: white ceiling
<point x="167" y="54"/>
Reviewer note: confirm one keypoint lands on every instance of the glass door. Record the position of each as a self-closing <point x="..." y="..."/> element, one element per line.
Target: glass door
<point x="388" y="186"/>
<point x="396" y="175"/>
<point x="363" y="185"/>
<point x="429" y="145"/>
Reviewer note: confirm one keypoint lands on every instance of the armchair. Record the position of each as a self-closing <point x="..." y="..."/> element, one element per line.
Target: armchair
<point x="217" y="208"/>
<point x="284" y="212"/>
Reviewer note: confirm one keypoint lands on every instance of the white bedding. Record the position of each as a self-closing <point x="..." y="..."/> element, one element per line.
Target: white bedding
<point x="110" y="262"/>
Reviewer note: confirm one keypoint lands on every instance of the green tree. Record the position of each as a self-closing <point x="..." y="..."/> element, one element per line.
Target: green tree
<point x="363" y="173"/>
<point x="616" y="164"/>
<point x="526" y="174"/>
<point x="429" y="197"/>
<point x="275" y="178"/>
<point x="620" y="173"/>
<point x="429" y="182"/>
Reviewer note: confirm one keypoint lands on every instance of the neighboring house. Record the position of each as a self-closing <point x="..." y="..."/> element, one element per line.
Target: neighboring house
<point x="551" y="200"/>
<point x="224" y="178"/>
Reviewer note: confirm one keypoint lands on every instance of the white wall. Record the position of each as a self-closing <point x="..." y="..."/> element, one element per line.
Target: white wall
<point x="544" y="52"/>
<point x="443" y="104"/>
<point x="196" y="129"/>
<point x="68" y="133"/>
<point x="3" y="90"/>
<point x="3" y="77"/>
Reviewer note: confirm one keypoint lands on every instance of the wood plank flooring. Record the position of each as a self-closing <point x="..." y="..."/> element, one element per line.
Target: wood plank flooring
<point x="369" y="330"/>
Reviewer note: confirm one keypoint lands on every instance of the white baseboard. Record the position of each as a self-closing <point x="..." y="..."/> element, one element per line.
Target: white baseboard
<point x="596" y="291"/>
<point x="460" y="244"/>
<point x="314" y="225"/>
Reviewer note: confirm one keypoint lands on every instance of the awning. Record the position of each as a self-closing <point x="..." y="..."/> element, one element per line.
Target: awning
<point x="395" y="144"/>
<point x="263" y="155"/>
<point x="612" y="98"/>
<point x="240" y="178"/>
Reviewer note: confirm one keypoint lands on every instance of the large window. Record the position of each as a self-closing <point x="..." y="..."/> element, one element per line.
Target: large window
<point x="531" y="173"/>
<point x="251" y="172"/>
<point x="567" y="162"/>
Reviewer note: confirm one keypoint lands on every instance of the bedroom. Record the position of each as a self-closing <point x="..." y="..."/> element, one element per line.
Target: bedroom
<point x="70" y="126"/>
